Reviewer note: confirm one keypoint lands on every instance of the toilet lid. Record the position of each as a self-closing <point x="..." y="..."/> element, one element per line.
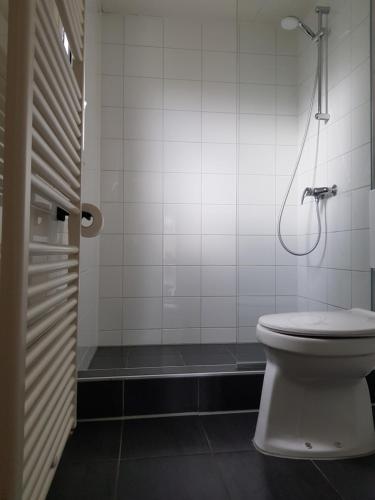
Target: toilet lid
<point x="351" y="323"/>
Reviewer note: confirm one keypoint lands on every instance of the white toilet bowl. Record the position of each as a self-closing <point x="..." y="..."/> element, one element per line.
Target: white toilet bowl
<point x="315" y="399"/>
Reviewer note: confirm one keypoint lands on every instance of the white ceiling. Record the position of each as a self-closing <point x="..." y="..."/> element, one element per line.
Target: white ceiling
<point x="248" y="10"/>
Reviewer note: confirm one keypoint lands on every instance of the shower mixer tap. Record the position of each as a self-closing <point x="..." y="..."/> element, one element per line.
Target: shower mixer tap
<point x="319" y="193"/>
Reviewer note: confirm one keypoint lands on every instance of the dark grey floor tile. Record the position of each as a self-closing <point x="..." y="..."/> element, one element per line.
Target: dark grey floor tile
<point x="152" y="349"/>
<point x="158" y="437"/>
<point x="248" y="352"/>
<point x="253" y="476"/>
<point x="194" y="477"/>
<point x="149" y="360"/>
<point x="112" y="350"/>
<point x="159" y="396"/>
<point x="106" y="362"/>
<point x="354" y="479"/>
<point x="232" y="432"/>
<point x="100" y="399"/>
<point x="230" y="392"/>
<point x="84" y="481"/>
<point x="207" y="355"/>
<point x="93" y="441"/>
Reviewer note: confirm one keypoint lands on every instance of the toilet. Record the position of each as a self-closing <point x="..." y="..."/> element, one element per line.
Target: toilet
<point x="315" y="400"/>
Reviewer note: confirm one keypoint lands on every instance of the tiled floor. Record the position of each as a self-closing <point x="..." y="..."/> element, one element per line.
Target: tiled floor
<point x="196" y="458"/>
<point x="177" y="359"/>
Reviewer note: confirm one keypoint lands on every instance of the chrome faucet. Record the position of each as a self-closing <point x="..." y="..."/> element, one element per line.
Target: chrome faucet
<point x="319" y="193"/>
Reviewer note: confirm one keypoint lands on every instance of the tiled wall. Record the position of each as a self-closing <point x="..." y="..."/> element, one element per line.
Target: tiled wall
<point x="89" y="264"/>
<point x="197" y="138"/>
<point x="337" y="274"/>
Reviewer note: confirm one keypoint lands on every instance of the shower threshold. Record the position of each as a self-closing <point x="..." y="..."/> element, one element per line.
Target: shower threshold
<point x="141" y="362"/>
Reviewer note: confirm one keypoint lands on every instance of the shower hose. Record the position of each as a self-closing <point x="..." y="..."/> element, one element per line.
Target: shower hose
<point x="298" y="161"/>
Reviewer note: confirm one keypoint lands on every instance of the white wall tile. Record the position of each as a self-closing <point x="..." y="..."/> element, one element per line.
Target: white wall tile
<point x="219" y="96"/>
<point x="182" y="219"/>
<point x="143" y="155"/>
<point x="113" y="218"/>
<point x="220" y="36"/>
<point x="112" y="29"/>
<point x="256" y="280"/>
<point x="219" y="219"/>
<point x="110" y="314"/>
<point x="360" y="43"/>
<point x="182" y="34"/>
<point x="143" y="61"/>
<point x="219" y="189"/>
<point x="339" y="288"/>
<point x="182" y="188"/>
<point x="143" y="30"/>
<point x="181" y="336"/>
<point x="112" y="91"/>
<point x="143" y="187"/>
<point x="111" y="124"/>
<point x="182" y="157"/>
<point x="218" y="312"/>
<point x="182" y="250"/>
<point x="247" y="335"/>
<point x="219" y="281"/>
<point x="142" y="337"/>
<point x="182" y="64"/>
<point x="111" y="249"/>
<point x="218" y="250"/>
<point x="257" y="219"/>
<point x="111" y="154"/>
<point x="252" y="306"/>
<point x="143" y="92"/>
<point x="257" y="129"/>
<point x="361" y="289"/>
<point x="145" y="124"/>
<point x="219" y="158"/>
<point x="143" y="313"/>
<point x="142" y="250"/>
<point x="219" y="67"/>
<point x="110" y="281"/>
<point x="183" y="126"/>
<point x="361" y="120"/>
<point x="257" y="159"/>
<point x="219" y="335"/>
<point x="360" y="250"/>
<point x="286" y="70"/>
<point x="142" y="281"/>
<point x="257" y="38"/>
<point x="219" y="127"/>
<point x="258" y="69"/>
<point x="257" y="250"/>
<point x="181" y="281"/>
<point x="286" y="280"/>
<point x="256" y="189"/>
<point x="112" y="59"/>
<point x="257" y="99"/>
<point x="360" y="209"/>
<point x="143" y="218"/>
<point x="111" y="186"/>
<point x="181" y="312"/>
<point x="182" y="95"/>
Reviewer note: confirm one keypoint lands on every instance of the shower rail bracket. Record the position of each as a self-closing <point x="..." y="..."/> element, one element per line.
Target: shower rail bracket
<point x="323" y="116"/>
<point x="322" y="9"/>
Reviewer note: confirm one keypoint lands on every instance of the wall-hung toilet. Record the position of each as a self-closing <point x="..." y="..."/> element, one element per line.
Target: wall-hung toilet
<point x="315" y="399"/>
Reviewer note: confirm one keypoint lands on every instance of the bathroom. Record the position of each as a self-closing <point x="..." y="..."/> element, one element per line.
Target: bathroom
<point x="207" y="330"/>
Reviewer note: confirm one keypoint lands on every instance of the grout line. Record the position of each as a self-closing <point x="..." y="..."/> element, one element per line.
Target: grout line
<point x="327" y="480"/>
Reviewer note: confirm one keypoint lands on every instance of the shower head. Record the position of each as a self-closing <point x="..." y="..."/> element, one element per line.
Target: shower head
<point x="293" y="22"/>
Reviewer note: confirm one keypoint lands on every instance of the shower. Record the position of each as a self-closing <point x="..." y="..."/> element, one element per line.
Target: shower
<point x="320" y="80"/>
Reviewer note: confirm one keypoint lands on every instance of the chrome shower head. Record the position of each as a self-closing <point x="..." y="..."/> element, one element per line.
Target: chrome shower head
<point x="293" y="22"/>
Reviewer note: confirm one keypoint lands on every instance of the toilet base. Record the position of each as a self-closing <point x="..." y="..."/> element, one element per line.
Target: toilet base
<point x="314" y="418"/>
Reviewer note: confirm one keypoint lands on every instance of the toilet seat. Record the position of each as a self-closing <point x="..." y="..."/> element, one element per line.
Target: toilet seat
<point x="345" y="324"/>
